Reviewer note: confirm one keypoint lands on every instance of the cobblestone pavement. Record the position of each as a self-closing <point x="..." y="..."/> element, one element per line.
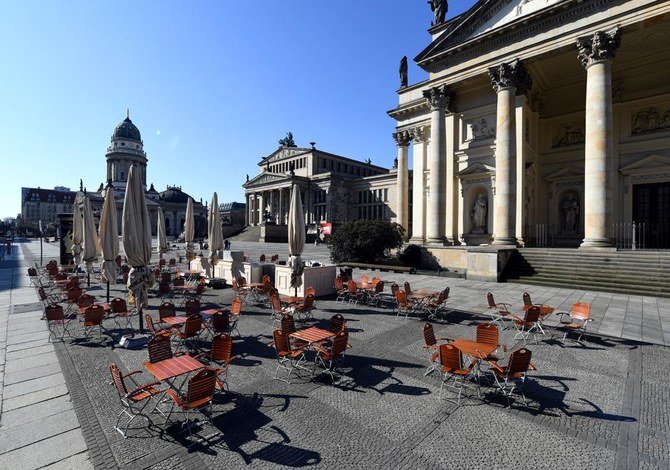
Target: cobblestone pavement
<point x="602" y="403"/>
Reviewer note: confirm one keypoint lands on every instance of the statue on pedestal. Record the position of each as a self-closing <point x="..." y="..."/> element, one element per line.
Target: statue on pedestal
<point x="570" y="209"/>
<point x="478" y="214"/>
<point x="439" y="9"/>
<point x="403" y="72"/>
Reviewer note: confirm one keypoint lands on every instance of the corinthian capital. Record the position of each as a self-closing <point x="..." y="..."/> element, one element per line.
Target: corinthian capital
<point x="510" y="75"/>
<point x="599" y="47"/>
<point x="402" y="138"/>
<point x="439" y="97"/>
<point x="419" y="134"/>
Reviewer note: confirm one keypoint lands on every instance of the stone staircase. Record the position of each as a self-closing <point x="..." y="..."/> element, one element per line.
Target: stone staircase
<point x="250" y="233"/>
<point x="626" y="272"/>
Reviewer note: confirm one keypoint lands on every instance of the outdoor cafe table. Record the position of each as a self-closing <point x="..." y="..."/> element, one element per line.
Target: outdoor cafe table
<point x="169" y="369"/>
<point x="181" y="319"/>
<point x="474" y="349"/>
<point x="289" y="299"/>
<point x="185" y="287"/>
<point x="312" y="335"/>
<point x="106" y="307"/>
<point x="420" y="294"/>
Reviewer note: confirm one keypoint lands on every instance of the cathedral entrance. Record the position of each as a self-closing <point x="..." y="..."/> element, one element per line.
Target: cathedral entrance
<point x="651" y="206"/>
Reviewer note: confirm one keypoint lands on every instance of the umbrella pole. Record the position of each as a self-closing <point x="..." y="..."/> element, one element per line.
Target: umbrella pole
<point x="141" y="320"/>
<point x="88" y="279"/>
<point x="107" y="291"/>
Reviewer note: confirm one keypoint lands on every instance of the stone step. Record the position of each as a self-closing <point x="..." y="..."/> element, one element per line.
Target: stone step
<point x="573" y="285"/>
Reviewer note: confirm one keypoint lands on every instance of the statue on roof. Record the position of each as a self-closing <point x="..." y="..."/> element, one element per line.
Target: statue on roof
<point x="287" y="141"/>
<point x="439" y="9"/>
<point x="403" y="72"/>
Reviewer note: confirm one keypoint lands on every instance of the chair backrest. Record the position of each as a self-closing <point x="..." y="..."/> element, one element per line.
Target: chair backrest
<point x="491" y="300"/>
<point x="401" y="297"/>
<point x="441" y="297"/>
<point x="85" y="300"/>
<point x="42" y="293"/>
<point x="429" y="335"/>
<point x="337" y="323"/>
<point x="266" y="279"/>
<point x="125" y="268"/>
<point x="242" y="281"/>
<point x="178" y="281"/>
<point x="164" y="288"/>
<point x="32" y="272"/>
<point x="71" y="283"/>
<point x="222" y="347"/>
<point x="519" y="362"/>
<point x="166" y="277"/>
<point x="262" y="258"/>
<point x="166" y="309"/>
<point x="287" y="324"/>
<point x="532" y="314"/>
<point x="157" y="273"/>
<point x="172" y="262"/>
<point x="309" y="302"/>
<point x="201" y="387"/>
<point x="339" y="344"/>
<point x="117" y="379"/>
<point x="275" y="303"/>
<point x="161" y="262"/>
<point x="94" y="315"/>
<point x="488" y="333"/>
<point x="60" y="277"/>
<point x="74" y="293"/>
<point x="199" y="289"/>
<point x="581" y="311"/>
<point x="118" y="305"/>
<point x="281" y="342"/>
<point x="446" y="293"/>
<point x="220" y="321"/>
<point x="450" y="356"/>
<point x="408" y="288"/>
<point x="379" y="287"/>
<point x="54" y="313"/>
<point x="339" y="283"/>
<point x="365" y="279"/>
<point x="117" y="261"/>
<point x="236" y="287"/>
<point x="193" y="325"/>
<point x="310" y="291"/>
<point x="526" y="299"/>
<point x="236" y="306"/>
<point x="351" y="285"/>
<point x="159" y="348"/>
<point x="394" y="288"/>
<point x="150" y="324"/>
<point x="192" y="306"/>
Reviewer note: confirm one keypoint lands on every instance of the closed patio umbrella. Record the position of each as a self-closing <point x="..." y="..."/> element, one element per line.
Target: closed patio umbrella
<point x="77" y="231"/>
<point x="296" y="238"/>
<point x="136" y="234"/>
<point x="161" y="237"/>
<point x="214" y="225"/>
<point x="109" y="238"/>
<point x="91" y="245"/>
<point x="189" y="230"/>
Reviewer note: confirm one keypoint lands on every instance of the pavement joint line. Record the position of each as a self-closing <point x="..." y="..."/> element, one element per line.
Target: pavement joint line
<point x="62" y="460"/>
<point x="37" y="441"/>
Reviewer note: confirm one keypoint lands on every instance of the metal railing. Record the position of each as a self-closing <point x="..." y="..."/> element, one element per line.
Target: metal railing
<point x="629" y="235"/>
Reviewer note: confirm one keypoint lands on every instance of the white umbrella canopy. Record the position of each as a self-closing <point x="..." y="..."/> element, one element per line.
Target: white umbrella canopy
<point x="161" y="237"/>
<point x="214" y="234"/>
<point x="189" y="230"/>
<point x="91" y="245"/>
<point x="136" y="234"/>
<point x="296" y="237"/>
<point x="109" y="236"/>
<point x="77" y="230"/>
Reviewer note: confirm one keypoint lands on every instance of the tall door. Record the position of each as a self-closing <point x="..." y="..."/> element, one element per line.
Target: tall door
<point x="651" y="206"/>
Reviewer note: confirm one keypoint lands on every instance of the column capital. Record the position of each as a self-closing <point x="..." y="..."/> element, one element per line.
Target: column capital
<point x="510" y="75"/>
<point x="402" y="138"/>
<point x="600" y="46"/>
<point x="439" y="97"/>
<point x="419" y="134"/>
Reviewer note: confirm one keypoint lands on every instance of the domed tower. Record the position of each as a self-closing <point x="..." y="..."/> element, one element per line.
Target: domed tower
<point x="126" y="149"/>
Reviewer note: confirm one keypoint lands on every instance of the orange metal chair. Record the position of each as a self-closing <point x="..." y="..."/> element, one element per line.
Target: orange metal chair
<point x="151" y="326"/>
<point x="55" y="318"/>
<point x="289" y="358"/>
<point x="198" y="396"/>
<point x="166" y="309"/>
<point x="235" y="313"/>
<point x="191" y="329"/>
<point x="513" y="376"/>
<point x="93" y="317"/>
<point x="489" y="333"/>
<point x="121" y="312"/>
<point x="529" y="324"/>
<point x="134" y="401"/>
<point x="192" y="306"/>
<point x="430" y="343"/>
<point x="303" y="311"/>
<point x="331" y="356"/>
<point x="497" y="311"/>
<point x="577" y="320"/>
<point x="159" y="348"/>
<point x="452" y="367"/>
<point x="337" y="323"/>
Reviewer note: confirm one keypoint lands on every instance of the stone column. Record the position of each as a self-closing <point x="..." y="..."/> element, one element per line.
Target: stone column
<point x="247" y="221"/>
<point x="508" y="80"/>
<point x="280" y="207"/>
<point x="440" y="99"/>
<point x="402" y="138"/>
<point x="418" y="189"/>
<point x="596" y="53"/>
<point x="261" y="207"/>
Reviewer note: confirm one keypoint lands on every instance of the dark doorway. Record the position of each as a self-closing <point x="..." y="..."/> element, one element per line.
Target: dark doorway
<point x="651" y="206"/>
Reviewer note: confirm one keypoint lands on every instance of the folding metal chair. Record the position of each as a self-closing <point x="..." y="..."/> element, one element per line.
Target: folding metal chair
<point x="133" y="401"/>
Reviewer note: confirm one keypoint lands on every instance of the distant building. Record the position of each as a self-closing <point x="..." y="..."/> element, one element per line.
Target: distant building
<point x="334" y="188"/>
<point x="44" y="204"/>
<point x="232" y="213"/>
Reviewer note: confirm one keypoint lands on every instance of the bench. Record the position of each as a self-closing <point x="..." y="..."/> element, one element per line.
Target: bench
<point x="380" y="267"/>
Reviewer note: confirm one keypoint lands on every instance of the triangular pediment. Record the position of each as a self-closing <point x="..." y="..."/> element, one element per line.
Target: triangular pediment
<point x="484" y="17"/>
<point x="283" y="152"/>
<point x="475" y="170"/>
<point x="264" y="178"/>
<point x="652" y="163"/>
<point x="567" y="173"/>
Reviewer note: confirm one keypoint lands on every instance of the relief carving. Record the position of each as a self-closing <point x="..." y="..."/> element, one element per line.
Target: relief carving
<point x="650" y="120"/>
<point x="480" y="129"/>
<point x="569" y="134"/>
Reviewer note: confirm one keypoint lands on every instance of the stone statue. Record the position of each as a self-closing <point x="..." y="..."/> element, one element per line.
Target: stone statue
<point x="478" y="214"/>
<point x="247" y="177"/>
<point x="439" y="9"/>
<point x="570" y="209"/>
<point x="395" y="163"/>
<point x="403" y="72"/>
<point x="287" y="141"/>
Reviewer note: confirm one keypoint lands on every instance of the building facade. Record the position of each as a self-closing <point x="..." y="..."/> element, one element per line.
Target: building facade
<point x="334" y="188"/>
<point x="538" y="116"/>
<point x="45" y="205"/>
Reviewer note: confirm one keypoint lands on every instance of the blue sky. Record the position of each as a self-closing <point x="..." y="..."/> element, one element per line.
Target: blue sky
<point x="212" y="85"/>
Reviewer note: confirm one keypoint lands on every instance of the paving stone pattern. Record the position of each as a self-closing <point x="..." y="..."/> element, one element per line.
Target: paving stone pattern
<point x="601" y="403"/>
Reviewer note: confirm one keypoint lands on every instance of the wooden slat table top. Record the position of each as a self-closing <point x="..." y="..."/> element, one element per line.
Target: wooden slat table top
<point x="173" y="367"/>
<point x="312" y="334"/>
<point x="289" y="299"/>
<point x="473" y="348"/>
<point x="106" y="307"/>
<point x="175" y="321"/>
<point x="185" y="287"/>
<point x="211" y="311"/>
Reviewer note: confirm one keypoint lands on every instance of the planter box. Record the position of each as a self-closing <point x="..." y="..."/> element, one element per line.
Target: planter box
<point x="321" y="278"/>
<point x="230" y="270"/>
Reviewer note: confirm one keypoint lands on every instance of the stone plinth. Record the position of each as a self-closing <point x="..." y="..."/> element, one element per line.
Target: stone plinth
<point x="231" y="270"/>
<point x="321" y="278"/>
<point x="274" y="233"/>
<point x="488" y="263"/>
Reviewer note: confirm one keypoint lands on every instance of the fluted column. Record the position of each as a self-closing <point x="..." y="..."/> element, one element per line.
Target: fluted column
<point x="596" y="53"/>
<point x="508" y="80"/>
<point x="418" y="191"/>
<point x="440" y="99"/>
<point x="247" y="221"/>
<point x="402" y="138"/>
<point x="280" y="207"/>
